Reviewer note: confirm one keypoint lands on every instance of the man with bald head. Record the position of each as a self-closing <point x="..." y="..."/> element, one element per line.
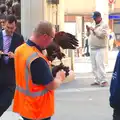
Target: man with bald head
<point x="35" y="85"/>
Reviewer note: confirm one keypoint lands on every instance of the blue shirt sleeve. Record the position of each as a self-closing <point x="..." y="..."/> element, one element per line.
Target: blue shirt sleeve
<point x="115" y="85"/>
<point x="40" y="72"/>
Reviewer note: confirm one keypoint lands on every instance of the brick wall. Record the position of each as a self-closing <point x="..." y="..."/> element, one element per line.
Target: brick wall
<point x="70" y="18"/>
<point x="73" y="18"/>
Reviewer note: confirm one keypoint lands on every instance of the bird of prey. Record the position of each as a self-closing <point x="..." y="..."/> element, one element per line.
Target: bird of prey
<point x="62" y="40"/>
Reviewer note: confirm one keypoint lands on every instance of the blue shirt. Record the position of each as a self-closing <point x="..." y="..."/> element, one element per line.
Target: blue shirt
<point x="40" y="70"/>
<point x="115" y="85"/>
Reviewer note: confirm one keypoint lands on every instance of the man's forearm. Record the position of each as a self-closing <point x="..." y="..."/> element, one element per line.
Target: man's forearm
<point x="54" y="84"/>
<point x="57" y="83"/>
<point x="101" y="32"/>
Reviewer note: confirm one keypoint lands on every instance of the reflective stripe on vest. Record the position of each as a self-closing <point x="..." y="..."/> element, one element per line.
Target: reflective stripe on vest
<point x="27" y="91"/>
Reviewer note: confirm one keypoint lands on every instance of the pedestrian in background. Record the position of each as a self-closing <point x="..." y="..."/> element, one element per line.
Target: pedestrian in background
<point x="9" y="41"/>
<point x="98" y="44"/>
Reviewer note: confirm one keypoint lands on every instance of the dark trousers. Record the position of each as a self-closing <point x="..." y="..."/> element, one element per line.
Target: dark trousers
<point x="42" y="119"/>
<point x="116" y="114"/>
<point x="6" y="97"/>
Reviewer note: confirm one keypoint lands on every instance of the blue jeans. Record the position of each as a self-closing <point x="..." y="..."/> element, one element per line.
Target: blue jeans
<point x="43" y="119"/>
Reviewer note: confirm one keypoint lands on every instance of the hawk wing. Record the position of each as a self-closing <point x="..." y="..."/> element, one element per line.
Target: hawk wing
<point x="63" y="40"/>
<point x="66" y="40"/>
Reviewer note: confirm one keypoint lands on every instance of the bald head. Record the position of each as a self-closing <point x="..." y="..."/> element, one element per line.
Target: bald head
<point x="43" y="34"/>
<point x="44" y="27"/>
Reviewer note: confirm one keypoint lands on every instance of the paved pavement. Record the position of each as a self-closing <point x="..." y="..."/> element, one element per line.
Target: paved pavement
<point x="81" y="105"/>
<point x="77" y="99"/>
<point x="83" y="65"/>
<point x="89" y="104"/>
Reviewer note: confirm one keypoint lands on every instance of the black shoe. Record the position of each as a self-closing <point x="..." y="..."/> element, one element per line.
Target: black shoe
<point x="95" y="84"/>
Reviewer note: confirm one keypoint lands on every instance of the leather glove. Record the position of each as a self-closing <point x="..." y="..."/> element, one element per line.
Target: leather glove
<point x="58" y="68"/>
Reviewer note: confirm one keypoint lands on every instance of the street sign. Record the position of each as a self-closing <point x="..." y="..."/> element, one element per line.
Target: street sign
<point x="115" y="17"/>
<point x="111" y="1"/>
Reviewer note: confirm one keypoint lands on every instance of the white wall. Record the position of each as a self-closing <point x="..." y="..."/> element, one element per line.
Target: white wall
<point x="70" y="27"/>
<point x="79" y="6"/>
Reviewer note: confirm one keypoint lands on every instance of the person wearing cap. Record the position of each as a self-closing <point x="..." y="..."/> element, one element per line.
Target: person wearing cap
<point x="97" y="37"/>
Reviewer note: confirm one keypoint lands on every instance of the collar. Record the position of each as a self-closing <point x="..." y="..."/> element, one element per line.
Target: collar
<point x="30" y="43"/>
<point x="5" y="34"/>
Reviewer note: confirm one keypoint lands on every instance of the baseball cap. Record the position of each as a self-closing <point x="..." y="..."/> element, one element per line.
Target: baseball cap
<point x="96" y="14"/>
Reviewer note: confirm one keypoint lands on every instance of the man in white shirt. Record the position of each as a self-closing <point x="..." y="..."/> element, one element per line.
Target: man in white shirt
<point x="97" y="38"/>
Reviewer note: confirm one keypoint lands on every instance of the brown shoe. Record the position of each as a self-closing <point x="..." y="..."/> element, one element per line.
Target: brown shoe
<point x="95" y="84"/>
<point x="104" y="84"/>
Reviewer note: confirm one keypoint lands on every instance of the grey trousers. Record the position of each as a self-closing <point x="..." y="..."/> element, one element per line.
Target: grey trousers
<point x="98" y="66"/>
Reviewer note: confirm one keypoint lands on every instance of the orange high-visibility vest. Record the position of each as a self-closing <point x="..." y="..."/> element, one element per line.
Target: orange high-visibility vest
<point x="30" y="101"/>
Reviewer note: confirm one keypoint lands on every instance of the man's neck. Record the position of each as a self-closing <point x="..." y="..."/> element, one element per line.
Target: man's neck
<point x="34" y="41"/>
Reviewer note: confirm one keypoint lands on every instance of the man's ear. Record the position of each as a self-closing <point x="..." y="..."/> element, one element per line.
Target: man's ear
<point x="44" y="52"/>
<point x="45" y="35"/>
<point x="15" y="27"/>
